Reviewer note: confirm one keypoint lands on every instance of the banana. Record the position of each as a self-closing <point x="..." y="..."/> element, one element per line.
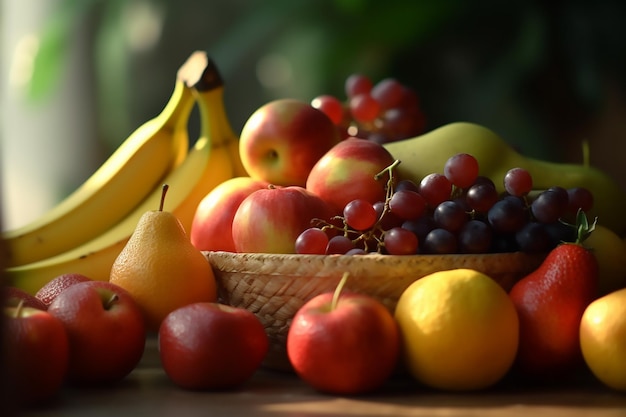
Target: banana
<point x="117" y="187"/>
<point x="428" y="153"/>
<point x="207" y="165"/>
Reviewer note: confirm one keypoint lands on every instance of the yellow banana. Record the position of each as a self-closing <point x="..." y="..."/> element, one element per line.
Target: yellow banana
<point x="117" y="187"/>
<point x="428" y="153"/>
<point x="206" y="166"/>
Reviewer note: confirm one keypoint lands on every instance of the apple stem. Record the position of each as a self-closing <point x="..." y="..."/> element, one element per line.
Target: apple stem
<point x="112" y="300"/>
<point x="19" y="308"/>
<point x="163" y="193"/>
<point x="338" y="290"/>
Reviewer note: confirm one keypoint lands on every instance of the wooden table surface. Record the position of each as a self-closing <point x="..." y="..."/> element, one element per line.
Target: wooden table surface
<point x="148" y="392"/>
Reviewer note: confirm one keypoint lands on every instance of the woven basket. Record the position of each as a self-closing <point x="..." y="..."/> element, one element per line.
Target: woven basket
<point x="275" y="286"/>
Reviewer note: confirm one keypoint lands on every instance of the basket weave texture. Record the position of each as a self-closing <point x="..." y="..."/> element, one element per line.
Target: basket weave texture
<point x="275" y="286"/>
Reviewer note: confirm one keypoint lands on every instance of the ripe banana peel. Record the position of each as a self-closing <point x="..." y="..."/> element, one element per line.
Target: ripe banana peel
<point x="428" y="153"/>
<point x="138" y="165"/>
<point x="207" y="165"/>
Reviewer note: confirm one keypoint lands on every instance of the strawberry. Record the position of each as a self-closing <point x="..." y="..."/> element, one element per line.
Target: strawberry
<point x="550" y="302"/>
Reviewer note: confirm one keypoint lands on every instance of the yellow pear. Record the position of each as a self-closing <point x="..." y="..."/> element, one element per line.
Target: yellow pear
<point x="161" y="269"/>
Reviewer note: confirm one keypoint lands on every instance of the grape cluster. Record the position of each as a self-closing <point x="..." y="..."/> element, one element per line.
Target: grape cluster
<point x="457" y="211"/>
<point x="384" y="112"/>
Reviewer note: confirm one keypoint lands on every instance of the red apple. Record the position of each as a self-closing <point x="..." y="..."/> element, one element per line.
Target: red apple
<point x="347" y="172"/>
<point x="348" y="348"/>
<point x="12" y="296"/>
<point x="37" y="354"/>
<point x="58" y="284"/>
<point x="282" y="140"/>
<point x="211" y="346"/>
<point x="105" y="328"/>
<point x="211" y="228"/>
<point x="270" y="220"/>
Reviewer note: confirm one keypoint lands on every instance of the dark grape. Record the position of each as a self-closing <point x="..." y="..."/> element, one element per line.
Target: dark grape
<point x="481" y="197"/>
<point x="533" y="238"/>
<point x="507" y="215"/>
<point x="439" y="241"/>
<point x="450" y="215"/>
<point x="420" y="227"/>
<point x="339" y="245"/>
<point x="549" y="206"/>
<point x="475" y="237"/>
<point x="579" y="198"/>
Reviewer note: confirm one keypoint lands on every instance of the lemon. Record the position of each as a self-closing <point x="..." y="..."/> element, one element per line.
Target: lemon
<point x="610" y="251"/>
<point x="603" y="339"/>
<point x="460" y="330"/>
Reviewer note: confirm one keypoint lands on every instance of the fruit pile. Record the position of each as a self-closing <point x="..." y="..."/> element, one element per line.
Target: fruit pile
<point x="105" y="267"/>
<point x="456" y="211"/>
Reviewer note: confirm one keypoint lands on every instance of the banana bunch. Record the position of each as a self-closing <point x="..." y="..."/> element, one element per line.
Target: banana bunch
<point x="429" y="152"/>
<point x="83" y="236"/>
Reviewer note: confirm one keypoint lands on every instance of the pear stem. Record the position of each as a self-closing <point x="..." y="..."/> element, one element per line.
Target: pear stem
<point x="338" y="290"/>
<point x="163" y="193"/>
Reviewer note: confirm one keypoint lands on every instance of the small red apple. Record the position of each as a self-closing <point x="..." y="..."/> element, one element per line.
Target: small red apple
<point x="12" y="296"/>
<point x="58" y="284"/>
<point x="211" y="346"/>
<point x="106" y="331"/>
<point x="211" y="228"/>
<point x="343" y="343"/>
<point x="282" y="140"/>
<point x="37" y="354"/>
<point x="270" y="220"/>
<point x="347" y="172"/>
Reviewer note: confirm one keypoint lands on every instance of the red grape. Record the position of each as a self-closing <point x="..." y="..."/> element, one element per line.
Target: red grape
<point x="435" y="188"/>
<point x="407" y="204"/>
<point x="364" y="108"/>
<point x="312" y="241"/>
<point x="518" y="182"/>
<point x="399" y="241"/>
<point x="330" y="106"/>
<point x="461" y="169"/>
<point x="360" y="214"/>
<point x="357" y="84"/>
<point x="388" y="92"/>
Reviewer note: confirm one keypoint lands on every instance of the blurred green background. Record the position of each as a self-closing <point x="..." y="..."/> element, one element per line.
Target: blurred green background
<point x="545" y="75"/>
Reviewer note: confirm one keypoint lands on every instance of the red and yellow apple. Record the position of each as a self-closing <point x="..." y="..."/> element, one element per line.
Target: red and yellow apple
<point x="348" y="348"/>
<point x="270" y="220"/>
<point x="206" y="346"/>
<point x="12" y="296"/>
<point x="348" y="172"/>
<point x="283" y="139"/>
<point x="58" y="284"/>
<point x="105" y="328"/>
<point x="211" y="227"/>
<point x="37" y="354"/>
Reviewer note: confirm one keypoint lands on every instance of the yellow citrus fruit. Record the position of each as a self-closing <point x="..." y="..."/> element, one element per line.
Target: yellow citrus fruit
<point x="460" y="330"/>
<point x="603" y="339"/>
<point x="610" y="251"/>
